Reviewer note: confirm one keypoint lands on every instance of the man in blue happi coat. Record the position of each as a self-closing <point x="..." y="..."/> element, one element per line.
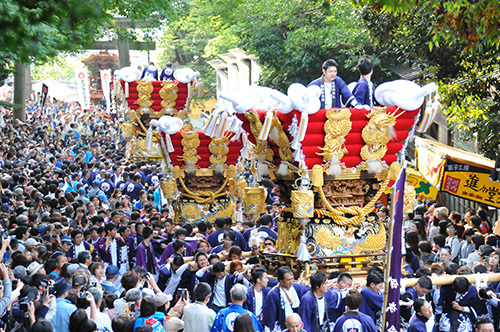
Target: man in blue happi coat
<point x="167" y="74"/>
<point x="364" y="90"/>
<point x="422" y="290"/>
<point x="257" y="294"/>
<point x="282" y="300"/>
<point x="224" y="321"/>
<point x="150" y="73"/>
<point x="334" y="91"/>
<point x="314" y="305"/>
<point x="423" y="318"/>
<point x="353" y="319"/>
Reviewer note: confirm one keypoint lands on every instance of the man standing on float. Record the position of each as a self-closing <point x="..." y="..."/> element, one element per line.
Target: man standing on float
<point x="333" y="87"/>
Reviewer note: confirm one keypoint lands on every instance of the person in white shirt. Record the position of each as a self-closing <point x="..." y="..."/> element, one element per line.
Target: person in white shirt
<point x="256" y="295"/>
<point x="197" y="316"/>
<point x="103" y="321"/>
<point x="176" y="268"/>
<point x="452" y="241"/>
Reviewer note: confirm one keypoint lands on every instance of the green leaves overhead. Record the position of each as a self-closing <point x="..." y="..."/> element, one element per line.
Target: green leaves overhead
<point x="35" y="31"/>
<point x="473" y="23"/>
<point x="292" y="38"/>
<point x="455" y="43"/>
<point x="39" y="29"/>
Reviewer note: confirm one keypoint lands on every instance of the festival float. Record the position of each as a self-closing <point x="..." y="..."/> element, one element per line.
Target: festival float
<point x="331" y="166"/>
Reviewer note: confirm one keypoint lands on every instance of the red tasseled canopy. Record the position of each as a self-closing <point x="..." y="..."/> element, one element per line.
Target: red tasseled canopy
<point x="315" y="135"/>
<point x="182" y="93"/>
<point x="314" y="139"/>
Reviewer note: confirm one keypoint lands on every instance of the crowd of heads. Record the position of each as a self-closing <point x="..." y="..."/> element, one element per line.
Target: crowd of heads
<point x="69" y="198"/>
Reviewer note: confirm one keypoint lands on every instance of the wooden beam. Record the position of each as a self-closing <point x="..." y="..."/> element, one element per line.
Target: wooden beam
<point x="217" y="64"/>
<point x="113" y="45"/>
<point x="127" y="23"/>
<point x="448" y="279"/>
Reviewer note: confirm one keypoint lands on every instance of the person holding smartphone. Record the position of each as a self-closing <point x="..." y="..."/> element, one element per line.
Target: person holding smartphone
<point x="7" y="287"/>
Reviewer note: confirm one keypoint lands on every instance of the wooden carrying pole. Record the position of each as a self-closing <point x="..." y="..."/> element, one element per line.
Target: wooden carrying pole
<point x="245" y="254"/>
<point x="443" y="280"/>
<point x="448" y="280"/>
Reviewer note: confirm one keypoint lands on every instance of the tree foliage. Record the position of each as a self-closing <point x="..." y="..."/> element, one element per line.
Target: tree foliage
<point x="432" y="36"/>
<point x="473" y="103"/>
<point x="475" y="24"/>
<point x="39" y="29"/>
<point x="58" y="68"/>
<point x="35" y="31"/>
<point x="199" y="35"/>
<point x="291" y="38"/>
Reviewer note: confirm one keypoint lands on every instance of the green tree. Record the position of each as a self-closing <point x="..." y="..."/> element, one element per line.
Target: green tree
<point x="466" y="68"/>
<point x="58" y="69"/>
<point x="197" y="37"/>
<point x="474" y="24"/>
<point x="292" y="38"/>
<point x="35" y="31"/>
<point x="473" y="104"/>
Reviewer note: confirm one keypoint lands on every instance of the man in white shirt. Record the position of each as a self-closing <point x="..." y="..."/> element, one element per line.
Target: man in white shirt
<point x="314" y="305"/>
<point x="175" y="269"/>
<point x="256" y="295"/>
<point x="197" y="316"/>
<point x="103" y="321"/>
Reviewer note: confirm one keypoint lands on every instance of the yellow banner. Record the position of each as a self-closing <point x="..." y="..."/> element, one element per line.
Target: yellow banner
<point x="429" y="163"/>
<point x="471" y="183"/>
<point x="423" y="189"/>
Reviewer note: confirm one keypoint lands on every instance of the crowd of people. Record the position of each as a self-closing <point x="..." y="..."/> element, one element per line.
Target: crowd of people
<point x="439" y="243"/>
<point x="89" y="245"/>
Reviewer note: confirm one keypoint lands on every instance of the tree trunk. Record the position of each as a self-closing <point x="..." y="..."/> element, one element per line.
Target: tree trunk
<point x="20" y="75"/>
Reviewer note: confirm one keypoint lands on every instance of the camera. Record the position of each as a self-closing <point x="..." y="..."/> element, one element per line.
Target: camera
<point x="483" y="292"/>
<point x="82" y="295"/>
<point x="406" y="297"/>
<point x="128" y="307"/>
<point x="182" y="293"/>
<point x="23" y="305"/>
<point x="51" y="290"/>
